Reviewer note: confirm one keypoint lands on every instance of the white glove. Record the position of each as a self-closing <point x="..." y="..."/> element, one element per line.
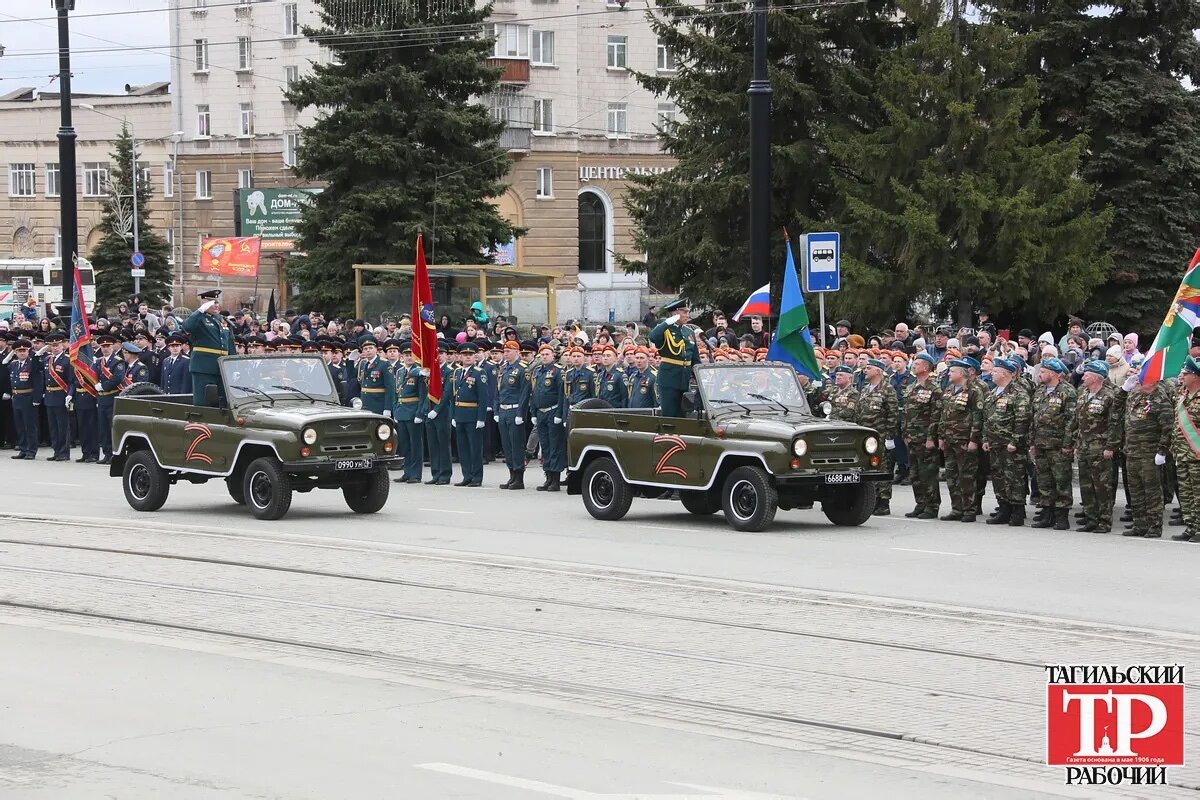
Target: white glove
<point x="1129" y="383"/>
<point x="432" y="414"/>
<point x="356" y="402"/>
<point x="479" y="425"/>
<point x="890" y="444"/>
<point x="99" y="387"/>
<point x="35" y="405"/>
<point x="673" y="319"/>
<point x="387" y="412"/>
<point x="519" y="420"/>
<point x="558" y="420"/>
<point x="204" y="307"/>
<point x="70" y="402"/>
<point x="418" y="420"/>
<point x="1160" y="460"/>
<point x="424" y="372"/>
<point x="534" y="419"/>
<point x="453" y="423"/>
<point x="7" y="396"/>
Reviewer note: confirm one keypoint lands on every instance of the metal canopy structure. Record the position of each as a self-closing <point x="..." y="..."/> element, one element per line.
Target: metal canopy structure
<point x="484" y="282"/>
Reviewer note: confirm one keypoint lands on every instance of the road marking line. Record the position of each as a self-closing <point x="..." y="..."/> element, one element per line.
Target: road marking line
<point x="930" y="552"/>
<point x="446" y="510"/>
<point x="55" y="484"/>
<point x="671" y="528"/>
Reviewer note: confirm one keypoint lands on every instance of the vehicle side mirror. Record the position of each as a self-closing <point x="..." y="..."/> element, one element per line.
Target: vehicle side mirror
<point x="826" y="408"/>
<point x="212" y="396"/>
<point x="689" y="402"/>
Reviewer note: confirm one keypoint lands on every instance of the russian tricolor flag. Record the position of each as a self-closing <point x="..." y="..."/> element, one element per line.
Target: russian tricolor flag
<point x="757" y="303"/>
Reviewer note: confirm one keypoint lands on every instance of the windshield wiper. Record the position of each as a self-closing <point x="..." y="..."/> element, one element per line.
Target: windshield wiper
<point x="256" y="391"/>
<point x="290" y="388"/>
<point x="769" y="400"/>
<point x="742" y="406"/>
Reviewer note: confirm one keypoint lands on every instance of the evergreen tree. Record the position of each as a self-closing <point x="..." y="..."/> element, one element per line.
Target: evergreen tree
<point x="960" y="198"/>
<point x="110" y="259"/>
<point x="396" y="112"/>
<point x="693" y="222"/>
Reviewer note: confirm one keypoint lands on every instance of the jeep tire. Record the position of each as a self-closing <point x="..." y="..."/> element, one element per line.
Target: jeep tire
<point x="140" y="389"/>
<point x="700" y="502"/>
<point x="145" y="483"/>
<point x="606" y="495"/>
<point x="237" y="491"/>
<point x="369" y="495"/>
<point x="267" y="488"/>
<point x="849" y="506"/>
<point x="749" y="499"/>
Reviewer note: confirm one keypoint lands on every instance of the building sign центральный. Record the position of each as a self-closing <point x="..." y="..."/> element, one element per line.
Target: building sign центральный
<point x="616" y="173"/>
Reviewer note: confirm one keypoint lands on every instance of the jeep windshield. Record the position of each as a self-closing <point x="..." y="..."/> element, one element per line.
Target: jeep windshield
<point x="749" y="387"/>
<point x="281" y="377"/>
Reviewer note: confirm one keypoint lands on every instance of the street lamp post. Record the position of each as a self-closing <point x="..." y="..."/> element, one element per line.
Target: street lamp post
<point x="67" y="201"/>
<point x="760" y="152"/>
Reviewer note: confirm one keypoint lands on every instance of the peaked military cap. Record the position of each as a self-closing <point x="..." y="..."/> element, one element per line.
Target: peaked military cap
<point x="24" y="344"/>
<point x="130" y="347"/>
<point x="210" y="294"/>
<point x="56" y="336"/>
<point x="675" y="305"/>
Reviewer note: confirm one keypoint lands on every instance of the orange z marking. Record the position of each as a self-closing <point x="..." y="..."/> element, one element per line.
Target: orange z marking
<point x="678" y="446"/>
<point x="202" y="433"/>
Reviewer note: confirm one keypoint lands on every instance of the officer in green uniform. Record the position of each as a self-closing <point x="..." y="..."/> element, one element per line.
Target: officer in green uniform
<point x="1006" y="416"/>
<point x="677" y="355"/>
<point x="1097" y="439"/>
<point x="960" y="432"/>
<point x="512" y="400"/>
<point x="1052" y="439"/>
<point x="922" y="410"/>
<point x="412" y="404"/>
<point x="878" y="408"/>
<point x="210" y="340"/>
<point x="1185" y="444"/>
<point x="1149" y="420"/>
<point x="843" y="397"/>
<point x="376" y="383"/>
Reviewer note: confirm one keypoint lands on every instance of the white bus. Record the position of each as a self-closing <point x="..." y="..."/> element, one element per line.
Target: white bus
<point x="41" y="277"/>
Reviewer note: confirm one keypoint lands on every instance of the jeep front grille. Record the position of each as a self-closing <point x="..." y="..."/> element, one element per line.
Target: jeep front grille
<point x="344" y="448"/>
<point x="833" y="462"/>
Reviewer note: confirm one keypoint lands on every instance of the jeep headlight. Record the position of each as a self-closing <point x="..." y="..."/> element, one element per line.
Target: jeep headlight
<point x="871" y="445"/>
<point x="384" y="431"/>
<point x="799" y="447"/>
<point x="309" y="436"/>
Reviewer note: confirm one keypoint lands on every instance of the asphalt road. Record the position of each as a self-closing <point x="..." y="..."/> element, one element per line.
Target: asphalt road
<point x="479" y="643"/>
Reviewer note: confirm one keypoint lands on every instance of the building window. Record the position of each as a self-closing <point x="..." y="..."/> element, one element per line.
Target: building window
<point x="170" y="232"/>
<point x="666" y="116"/>
<point x="618" y="119"/>
<point x="291" y="19"/>
<point x="21" y="180"/>
<point x="203" y="121"/>
<point x="169" y="179"/>
<point x="58" y="242"/>
<point x="53" y="180"/>
<point x="512" y="41"/>
<point x="143" y="173"/>
<point x="202" y="55"/>
<point x="245" y="56"/>
<point x="95" y="179"/>
<point x="666" y="59"/>
<point x="245" y="179"/>
<point x="246" y="119"/>
<point x="617" y="47"/>
<point x="203" y="185"/>
<point x="593" y="233"/>
<point x="291" y="148"/>
<point x="545" y="182"/>
<point x="543" y="116"/>
<point x="541" y="48"/>
<point x="291" y="75"/>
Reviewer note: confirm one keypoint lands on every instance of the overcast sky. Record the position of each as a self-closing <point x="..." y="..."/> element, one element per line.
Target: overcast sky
<point x="30" y="47"/>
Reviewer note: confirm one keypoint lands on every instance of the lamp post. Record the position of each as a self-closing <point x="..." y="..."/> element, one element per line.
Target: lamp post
<point x="67" y="201"/>
<point x="760" y="153"/>
<point x="177" y="179"/>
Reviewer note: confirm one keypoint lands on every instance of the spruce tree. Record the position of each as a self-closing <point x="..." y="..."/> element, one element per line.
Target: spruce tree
<point x="397" y="109"/>
<point x="693" y="222"/>
<point x="960" y="198"/>
<point x="110" y="258"/>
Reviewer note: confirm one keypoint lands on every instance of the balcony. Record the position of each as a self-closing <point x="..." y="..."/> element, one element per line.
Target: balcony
<point x="516" y="70"/>
<point x="516" y="139"/>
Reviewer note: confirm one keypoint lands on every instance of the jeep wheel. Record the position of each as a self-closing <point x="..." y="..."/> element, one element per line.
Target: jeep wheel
<point x="267" y="489"/>
<point x="749" y="499"/>
<point x="145" y="482"/>
<point x="606" y="495"/>
<point x="700" y="502"/>
<point x="140" y="389"/>
<point x="236" y="490"/>
<point x="370" y="495"/>
<point x="849" y="506"/>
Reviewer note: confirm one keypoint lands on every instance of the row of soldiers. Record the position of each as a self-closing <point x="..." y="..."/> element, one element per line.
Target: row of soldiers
<point x="978" y="430"/>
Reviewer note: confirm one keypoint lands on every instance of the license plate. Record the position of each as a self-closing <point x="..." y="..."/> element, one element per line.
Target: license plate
<point x="352" y="463"/>
<point x="842" y="478"/>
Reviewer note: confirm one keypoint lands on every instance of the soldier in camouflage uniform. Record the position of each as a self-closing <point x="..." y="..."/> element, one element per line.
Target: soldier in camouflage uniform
<point x="1006" y="414"/>
<point x="1149" y="420"/>
<point x="1052" y="436"/>
<point x="1185" y="444"/>
<point x="1097" y="439"/>
<point x="960" y="429"/>
<point x="843" y="396"/>
<point x="922" y="412"/>
<point x="879" y="408"/>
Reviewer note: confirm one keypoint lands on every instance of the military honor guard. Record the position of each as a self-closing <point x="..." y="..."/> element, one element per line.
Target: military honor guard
<point x="376" y="383"/>
<point x="1149" y="421"/>
<point x="1185" y="445"/>
<point x="1098" y="437"/>
<point x="677" y="355"/>
<point x="412" y="404"/>
<point x="922" y="413"/>
<point x="470" y="407"/>
<point x="86" y="413"/>
<point x="437" y="423"/>
<point x="176" y="372"/>
<point x="878" y="408"/>
<point x="512" y="402"/>
<point x="209" y="341"/>
<point x="1006" y="418"/>
<point x="135" y="371"/>
<point x="110" y="372"/>
<point x="548" y="405"/>
<point x="59" y="383"/>
<point x="610" y="382"/>
<point x="1052" y="441"/>
<point x="25" y="382"/>
<point x="642" y="384"/>
<point x="960" y="435"/>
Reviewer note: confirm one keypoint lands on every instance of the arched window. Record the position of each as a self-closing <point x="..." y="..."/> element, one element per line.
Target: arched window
<point x="593" y="233"/>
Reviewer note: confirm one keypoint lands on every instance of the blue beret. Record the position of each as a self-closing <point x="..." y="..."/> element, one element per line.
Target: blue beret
<point x="925" y="357"/>
<point x="1192" y="366"/>
<point x="1098" y="366"/>
<point x="1009" y="364"/>
<point x="130" y="347"/>
<point x="875" y="362"/>
<point x="1055" y="365"/>
<point x="842" y="368"/>
<point x="972" y="363"/>
<point x="963" y="363"/>
<point x="1017" y="359"/>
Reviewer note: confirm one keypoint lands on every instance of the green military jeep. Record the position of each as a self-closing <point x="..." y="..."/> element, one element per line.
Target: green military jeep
<point x="747" y="445"/>
<point x="277" y="429"/>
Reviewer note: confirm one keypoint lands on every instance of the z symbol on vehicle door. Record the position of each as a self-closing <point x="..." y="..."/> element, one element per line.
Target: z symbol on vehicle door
<point x="202" y="432"/>
<point x="677" y="445"/>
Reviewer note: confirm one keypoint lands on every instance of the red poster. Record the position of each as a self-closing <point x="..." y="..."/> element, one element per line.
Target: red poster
<point x="235" y="256"/>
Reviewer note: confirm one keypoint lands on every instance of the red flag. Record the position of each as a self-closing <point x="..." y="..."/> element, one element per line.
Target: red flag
<point x="424" y="340"/>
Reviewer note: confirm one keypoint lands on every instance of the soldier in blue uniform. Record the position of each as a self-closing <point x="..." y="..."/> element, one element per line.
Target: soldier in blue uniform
<point x="110" y="371"/>
<point x="642" y="393"/>
<point x="677" y="355"/>
<point x="25" y="379"/>
<point x="548" y="406"/>
<point x="512" y="400"/>
<point x="437" y="423"/>
<point x="470" y="406"/>
<point x="580" y="377"/>
<point x="609" y="382"/>
<point x="59" y="382"/>
<point x="490" y="438"/>
<point x="176" y="372"/>
<point x="376" y="384"/>
<point x="85" y="412"/>
<point x="151" y="359"/>
<point x="209" y="341"/>
<point x="135" y="370"/>
<point x="412" y="404"/>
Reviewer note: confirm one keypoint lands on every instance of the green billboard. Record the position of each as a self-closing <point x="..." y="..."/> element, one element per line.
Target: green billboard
<point x="271" y="214"/>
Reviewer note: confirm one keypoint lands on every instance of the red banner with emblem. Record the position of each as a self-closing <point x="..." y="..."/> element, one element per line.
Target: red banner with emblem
<point x="235" y="256"/>
<point x="424" y="338"/>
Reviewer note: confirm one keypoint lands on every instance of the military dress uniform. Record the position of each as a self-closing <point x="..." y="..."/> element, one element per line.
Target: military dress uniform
<point x="580" y="384"/>
<point x="961" y="425"/>
<point x="135" y="372"/>
<point x="548" y="405"/>
<point x="879" y="408"/>
<point x="110" y="372"/>
<point x="1098" y="428"/>
<point x="677" y="355"/>
<point x="470" y="407"/>
<point x="1185" y="446"/>
<point x="59" y="383"/>
<point x="1006" y="417"/>
<point x="376" y="385"/>
<point x="85" y="414"/>
<point x="1149" y="421"/>
<point x="610" y="387"/>
<point x="1051" y="431"/>
<point x="843" y="400"/>
<point x="25" y="379"/>
<point x="512" y="402"/>
<point x="412" y="404"/>
<point x="209" y="341"/>
<point x="922" y="411"/>
<point x="176" y="375"/>
<point x="437" y="430"/>
<point x="642" y="389"/>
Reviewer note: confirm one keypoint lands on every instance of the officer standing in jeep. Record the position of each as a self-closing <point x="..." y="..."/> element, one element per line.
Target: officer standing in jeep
<point x="209" y="342"/>
<point x="677" y="355"/>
